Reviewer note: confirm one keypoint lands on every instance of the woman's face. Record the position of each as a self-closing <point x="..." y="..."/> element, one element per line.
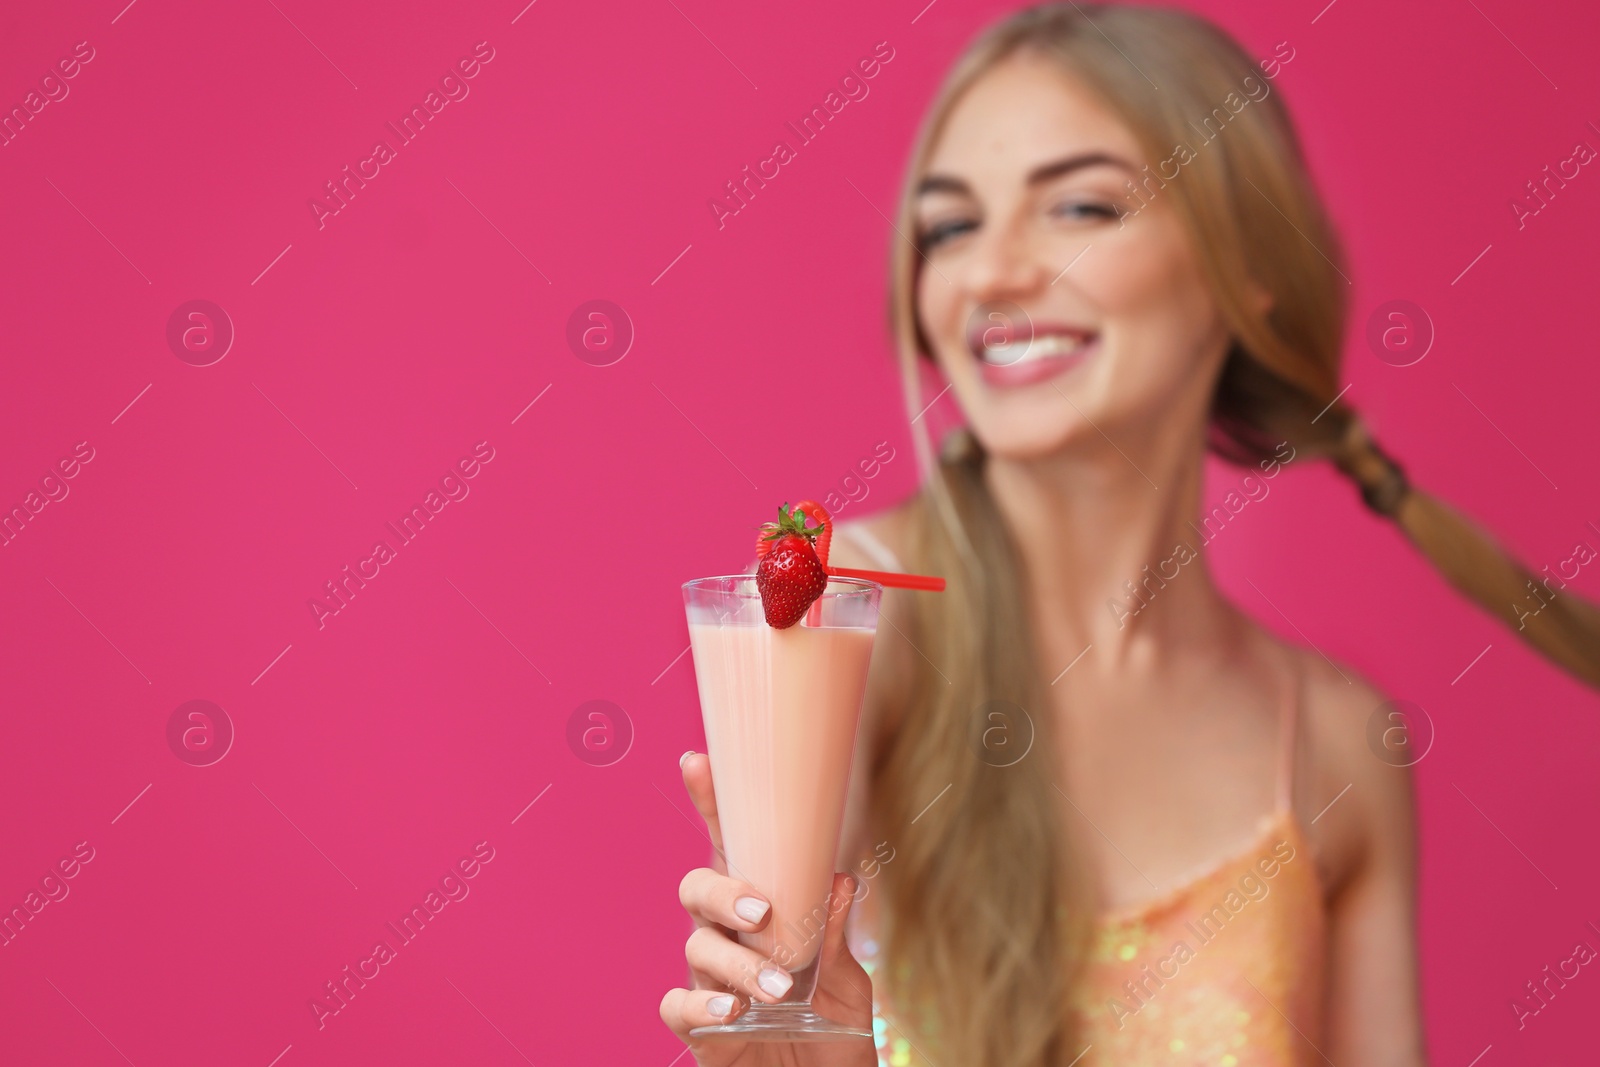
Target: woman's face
<point x="1024" y="205"/>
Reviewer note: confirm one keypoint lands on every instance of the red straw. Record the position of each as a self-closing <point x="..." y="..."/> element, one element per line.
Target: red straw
<point x="925" y="582"/>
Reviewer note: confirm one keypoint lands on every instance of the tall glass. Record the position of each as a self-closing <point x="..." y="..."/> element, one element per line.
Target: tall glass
<point x="781" y="709"/>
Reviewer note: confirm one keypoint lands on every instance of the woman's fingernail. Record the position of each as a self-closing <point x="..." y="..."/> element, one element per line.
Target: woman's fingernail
<point x="750" y="909"/>
<point x="774" y="981"/>
<point x="719" y="1007"/>
<point x="683" y="757"/>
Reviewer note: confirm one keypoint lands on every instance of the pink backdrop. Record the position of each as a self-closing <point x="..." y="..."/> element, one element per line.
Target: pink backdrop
<point x="376" y="348"/>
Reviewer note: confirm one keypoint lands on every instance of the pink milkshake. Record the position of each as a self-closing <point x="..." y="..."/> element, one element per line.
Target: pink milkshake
<point x="781" y="708"/>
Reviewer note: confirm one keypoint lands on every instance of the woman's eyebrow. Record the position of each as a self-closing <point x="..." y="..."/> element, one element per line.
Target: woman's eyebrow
<point x="1068" y="164"/>
<point x="944" y="183"/>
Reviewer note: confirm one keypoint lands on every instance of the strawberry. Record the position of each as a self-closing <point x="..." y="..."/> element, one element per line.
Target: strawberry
<point x="790" y="576"/>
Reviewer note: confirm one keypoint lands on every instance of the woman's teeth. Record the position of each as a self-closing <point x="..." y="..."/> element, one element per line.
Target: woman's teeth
<point x="1044" y="347"/>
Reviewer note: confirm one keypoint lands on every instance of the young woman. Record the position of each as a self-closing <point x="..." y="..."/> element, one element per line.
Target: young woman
<point x="1138" y="871"/>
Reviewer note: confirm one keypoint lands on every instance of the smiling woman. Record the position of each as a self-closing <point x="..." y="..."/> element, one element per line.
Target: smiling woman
<point x="1158" y="325"/>
<point x="1177" y="738"/>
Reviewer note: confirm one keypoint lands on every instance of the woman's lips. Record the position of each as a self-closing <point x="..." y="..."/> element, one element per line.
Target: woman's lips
<point x="1028" y="369"/>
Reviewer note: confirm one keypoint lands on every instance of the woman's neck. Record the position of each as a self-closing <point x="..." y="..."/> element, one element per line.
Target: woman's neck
<point x="1110" y="556"/>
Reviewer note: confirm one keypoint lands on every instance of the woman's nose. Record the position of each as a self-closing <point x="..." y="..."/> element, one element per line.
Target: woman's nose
<point x="1005" y="264"/>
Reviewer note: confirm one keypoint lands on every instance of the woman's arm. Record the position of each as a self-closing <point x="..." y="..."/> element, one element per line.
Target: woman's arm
<point x="1374" y="1010"/>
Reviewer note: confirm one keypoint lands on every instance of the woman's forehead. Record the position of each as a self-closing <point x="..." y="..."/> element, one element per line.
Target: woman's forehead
<point x="1024" y="112"/>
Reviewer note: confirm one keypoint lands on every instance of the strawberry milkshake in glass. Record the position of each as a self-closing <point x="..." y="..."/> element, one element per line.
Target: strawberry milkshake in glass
<point x="781" y="707"/>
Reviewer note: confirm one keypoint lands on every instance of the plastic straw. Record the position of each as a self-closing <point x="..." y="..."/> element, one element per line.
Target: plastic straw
<point x="925" y="582"/>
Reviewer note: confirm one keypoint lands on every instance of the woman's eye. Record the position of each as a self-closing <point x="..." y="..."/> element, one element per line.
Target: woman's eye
<point x="1087" y="209"/>
<point x="941" y="232"/>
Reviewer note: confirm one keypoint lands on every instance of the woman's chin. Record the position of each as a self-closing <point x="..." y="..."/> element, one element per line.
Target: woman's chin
<point x="1024" y="441"/>
<point x="1032" y="424"/>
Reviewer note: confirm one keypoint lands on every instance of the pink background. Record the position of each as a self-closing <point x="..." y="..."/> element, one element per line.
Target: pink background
<point x="428" y="714"/>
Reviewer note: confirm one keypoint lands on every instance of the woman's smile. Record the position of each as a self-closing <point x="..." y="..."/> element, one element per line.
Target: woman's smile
<point x="1038" y="352"/>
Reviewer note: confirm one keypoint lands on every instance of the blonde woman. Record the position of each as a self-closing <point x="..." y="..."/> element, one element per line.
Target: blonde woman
<point x="1138" y="875"/>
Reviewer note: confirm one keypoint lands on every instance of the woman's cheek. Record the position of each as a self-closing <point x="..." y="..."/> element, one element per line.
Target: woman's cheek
<point x="933" y="314"/>
<point x="1132" y="276"/>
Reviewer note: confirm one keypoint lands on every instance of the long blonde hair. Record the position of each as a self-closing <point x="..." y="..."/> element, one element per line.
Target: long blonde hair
<point x="987" y="914"/>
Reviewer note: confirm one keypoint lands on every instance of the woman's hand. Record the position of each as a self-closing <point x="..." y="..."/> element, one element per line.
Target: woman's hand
<point x="727" y="976"/>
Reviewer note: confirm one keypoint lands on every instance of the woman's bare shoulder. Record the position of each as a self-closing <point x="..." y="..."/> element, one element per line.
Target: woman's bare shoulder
<point x="1359" y="755"/>
<point x="889" y="527"/>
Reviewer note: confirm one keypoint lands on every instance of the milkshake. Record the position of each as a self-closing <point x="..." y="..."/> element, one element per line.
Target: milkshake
<point x="780" y="707"/>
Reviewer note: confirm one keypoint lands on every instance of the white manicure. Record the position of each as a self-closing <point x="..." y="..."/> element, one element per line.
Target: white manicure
<point x="750" y="909"/>
<point x="718" y="1007"/>
<point x="774" y="981"/>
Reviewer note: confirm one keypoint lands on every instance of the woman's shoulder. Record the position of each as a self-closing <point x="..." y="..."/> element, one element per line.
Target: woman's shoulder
<point x="879" y="541"/>
<point x="1360" y="748"/>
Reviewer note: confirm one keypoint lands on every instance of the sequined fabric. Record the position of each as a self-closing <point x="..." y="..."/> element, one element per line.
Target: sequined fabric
<point x="1224" y="971"/>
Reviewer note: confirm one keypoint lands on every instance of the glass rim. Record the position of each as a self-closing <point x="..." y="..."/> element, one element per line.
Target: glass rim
<point x="852" y="586"/>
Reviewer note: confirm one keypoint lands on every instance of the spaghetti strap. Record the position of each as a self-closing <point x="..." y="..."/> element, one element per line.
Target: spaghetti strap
<point x="869" y="543"/>
<point x="1288" y="720"/>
